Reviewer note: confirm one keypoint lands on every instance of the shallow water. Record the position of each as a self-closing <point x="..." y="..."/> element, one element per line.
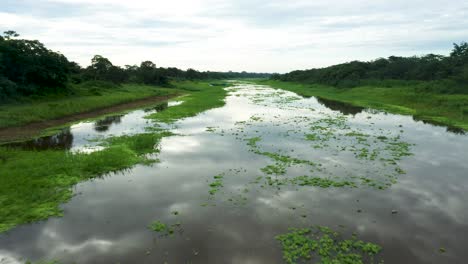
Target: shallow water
<point x="85" y="136"/>
<point x="107" y="221"/>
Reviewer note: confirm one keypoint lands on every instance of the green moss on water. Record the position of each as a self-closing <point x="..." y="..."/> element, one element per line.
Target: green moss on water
<point x="306" y="180"/>
<point x="334" y="136"/>
<point x="321" y="182"/>
<point x="323" y="245"/>
<point x="282" y="162"/>
<point x="165" y="229"/>
<point x="216" y="184"/>
<point x="252" y="142"/>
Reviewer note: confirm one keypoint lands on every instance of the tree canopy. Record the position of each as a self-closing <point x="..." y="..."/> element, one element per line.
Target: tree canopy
<point x="452" y="69"/>
<point x="27" y="67"/>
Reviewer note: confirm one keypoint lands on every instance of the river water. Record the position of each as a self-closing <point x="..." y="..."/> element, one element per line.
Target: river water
<point x="411" y="205"/>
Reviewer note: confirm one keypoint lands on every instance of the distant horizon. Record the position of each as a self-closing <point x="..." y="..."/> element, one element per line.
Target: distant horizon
<point x="227" y="35"/>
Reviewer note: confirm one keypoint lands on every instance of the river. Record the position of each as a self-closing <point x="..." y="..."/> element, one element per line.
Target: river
<point x="393" y="181"/>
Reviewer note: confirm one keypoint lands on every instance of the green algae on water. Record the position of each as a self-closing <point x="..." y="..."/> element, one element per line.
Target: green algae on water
<point x="323" y="245"/>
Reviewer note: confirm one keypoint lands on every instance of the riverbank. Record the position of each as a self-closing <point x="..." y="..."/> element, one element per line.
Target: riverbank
<point x="441" y="109"/>
<point x="35" y="129"/>
<point x="33" y="110"/>
<point x="34" y="183"/>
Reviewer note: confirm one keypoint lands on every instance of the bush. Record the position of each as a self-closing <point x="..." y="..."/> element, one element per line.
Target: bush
<point x="97" y="84"/>
<point x="447" y="86"/>
<point x="7" y="89"/>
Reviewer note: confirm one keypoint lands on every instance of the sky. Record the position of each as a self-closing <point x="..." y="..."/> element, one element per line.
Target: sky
<point x="251" y="35"/>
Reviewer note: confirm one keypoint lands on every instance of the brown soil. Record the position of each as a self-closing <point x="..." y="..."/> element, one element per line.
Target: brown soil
<point x="34" y="129"/>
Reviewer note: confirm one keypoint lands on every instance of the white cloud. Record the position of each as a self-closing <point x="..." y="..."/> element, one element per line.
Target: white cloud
<point x="254" y="35"/>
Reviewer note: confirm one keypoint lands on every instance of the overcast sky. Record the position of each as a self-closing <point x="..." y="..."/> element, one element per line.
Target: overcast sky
<point x="251" y="35"/>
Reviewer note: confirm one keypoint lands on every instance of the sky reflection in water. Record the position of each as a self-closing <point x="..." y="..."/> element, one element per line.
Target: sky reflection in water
<point x="107" y="221"/>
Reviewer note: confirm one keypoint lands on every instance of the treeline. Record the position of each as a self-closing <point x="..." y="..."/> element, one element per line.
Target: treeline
<point x="434" y="73"/>
<point x="27" y="67"/>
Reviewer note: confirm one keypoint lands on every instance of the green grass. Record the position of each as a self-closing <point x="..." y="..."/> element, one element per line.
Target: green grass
<point x="443" y="109"/>
<point x="85" y="99"/>
<point x="203" y="97"/>
<point x="34" y="183"/>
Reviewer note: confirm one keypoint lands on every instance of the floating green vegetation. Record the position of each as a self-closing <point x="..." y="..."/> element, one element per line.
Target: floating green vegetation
<point x="256" y="118"/>
<point x="211" y="129"/>
<point x="276" y="169"/>
<point x="308" y="181"/>
<point x="336" y="136"/>
<point x="282" y="162"/>
<point x="333" y="136"/>
<point x="217" y="184"/>
<point x="321" y="182"/>
<point x="325" y="246"/>
<point x="252" y="142"/>
<point x="165" y="229"/>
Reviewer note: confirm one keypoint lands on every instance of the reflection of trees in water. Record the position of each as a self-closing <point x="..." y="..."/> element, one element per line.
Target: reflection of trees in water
<point x="158" y="107"/>
<point x="344" y="108"/>
<point x="456" y="130"/>
<point x="452" y="129"/>
<point x="63" y="140"/>
<point x="349" y="109"/>
<point x="104" y="124"/>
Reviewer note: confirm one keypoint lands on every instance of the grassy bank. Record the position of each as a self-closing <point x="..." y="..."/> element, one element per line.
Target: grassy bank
<point x="34" y="183"/>
<point x="444" y="109"/>
<point x="202" y="96"/>
<point x="84" y="99"/>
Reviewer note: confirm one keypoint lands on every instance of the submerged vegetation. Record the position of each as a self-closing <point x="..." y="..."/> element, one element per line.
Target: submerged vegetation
<point x="323" y="245"/>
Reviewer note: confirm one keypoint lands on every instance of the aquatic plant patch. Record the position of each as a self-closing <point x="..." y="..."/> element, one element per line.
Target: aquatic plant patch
<point x="323" y="245"/>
